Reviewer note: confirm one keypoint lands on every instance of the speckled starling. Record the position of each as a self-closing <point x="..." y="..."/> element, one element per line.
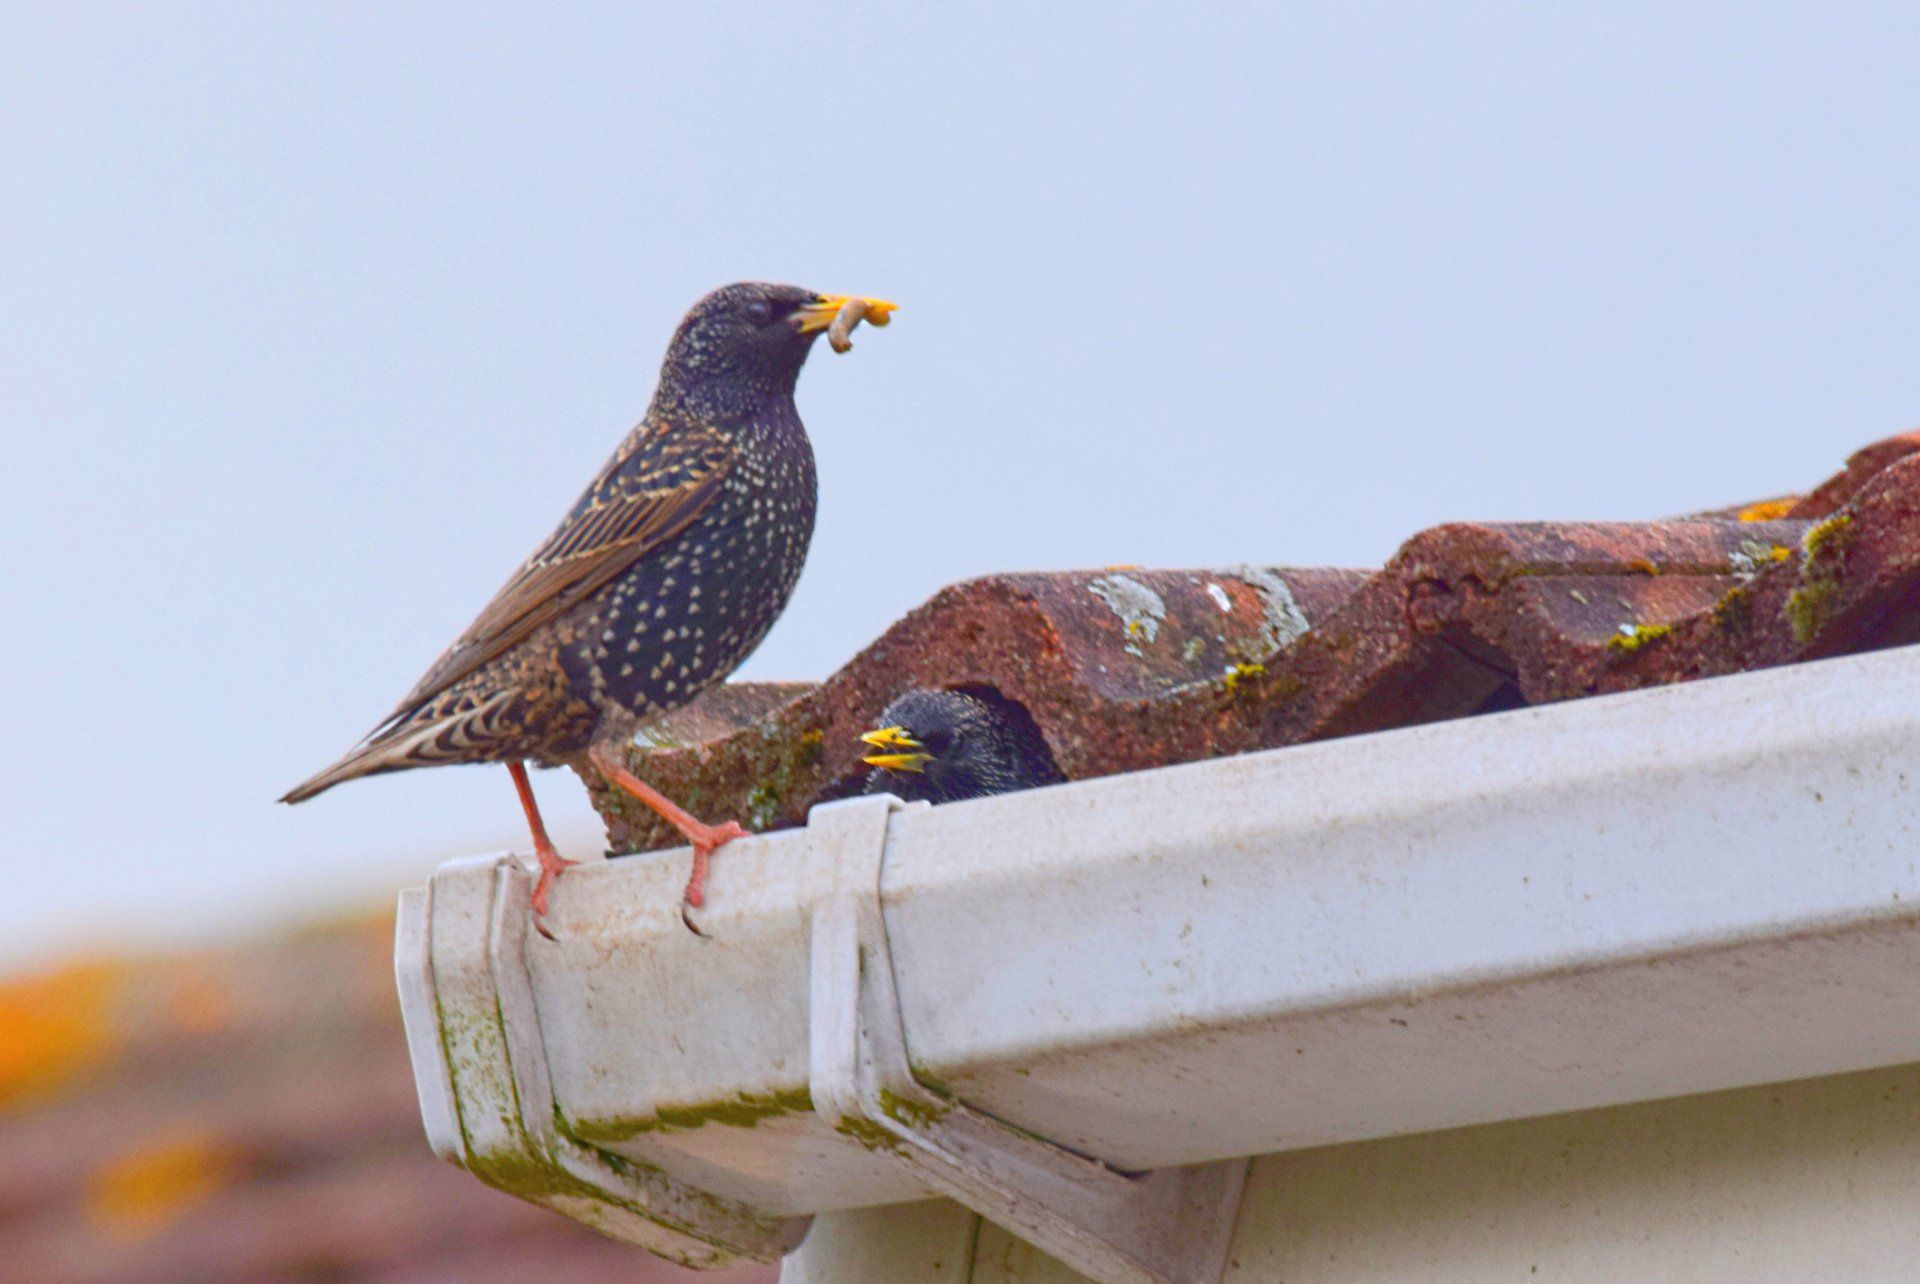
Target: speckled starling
<point x="663" y="577"/>
<point x="947" y="746"/>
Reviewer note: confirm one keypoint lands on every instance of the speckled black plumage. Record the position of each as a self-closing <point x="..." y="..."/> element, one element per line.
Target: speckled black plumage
<point x="973" y="747"/>
<point x="662" y="578"/>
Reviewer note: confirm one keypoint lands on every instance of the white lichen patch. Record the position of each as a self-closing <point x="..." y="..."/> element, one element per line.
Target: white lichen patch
<point x="1220" y="598"/>
<point x="1753" y="557"/>
<point x="1282" y="619"/>
<point x="1141" y="610"/>
<point x="656" y="737"/>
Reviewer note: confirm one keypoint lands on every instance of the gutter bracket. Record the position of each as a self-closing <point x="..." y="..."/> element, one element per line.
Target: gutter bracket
<point x="1172" y="1226"/>
<point x="473" y="1030"/>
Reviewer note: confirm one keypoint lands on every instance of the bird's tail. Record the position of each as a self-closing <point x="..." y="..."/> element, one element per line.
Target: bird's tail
<point x="429" y="737"/>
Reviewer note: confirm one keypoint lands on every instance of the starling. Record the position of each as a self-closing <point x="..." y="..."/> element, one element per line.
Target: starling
<point x="662" y="578"/>
<point x="948" y="746"/>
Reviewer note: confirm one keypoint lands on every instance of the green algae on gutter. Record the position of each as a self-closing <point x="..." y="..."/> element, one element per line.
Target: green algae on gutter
<point x="745" y="1110"/>
<point x="868" y="1134"/>
<point x="522" y="1165"/>
<point x="527" y="1169"/>
<point x="926" y="1080"/>
<point x="465" y="1061"/>
<point x="635" y="1171"/>
<point x="913" y="1114"/>
<point x="533" y="1178"/>
<point x="518" y="1167"/>
<point x="542" y="1179"/>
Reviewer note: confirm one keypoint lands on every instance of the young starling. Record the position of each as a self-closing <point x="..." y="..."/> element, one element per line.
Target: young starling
<point x="662" y="578"/>
<point x="947" y="746"/>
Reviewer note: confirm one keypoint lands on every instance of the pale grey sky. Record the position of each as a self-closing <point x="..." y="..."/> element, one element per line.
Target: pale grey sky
<point x="317" y="316"/>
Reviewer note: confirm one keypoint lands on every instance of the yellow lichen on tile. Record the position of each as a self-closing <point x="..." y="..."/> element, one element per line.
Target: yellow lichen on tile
<point x="1238" y="673"/>
<point x="1631" y="637"/>
<point x="56" y="1026"/>
<point x="144" y="1189"/>
<point x="1769" y="510"/>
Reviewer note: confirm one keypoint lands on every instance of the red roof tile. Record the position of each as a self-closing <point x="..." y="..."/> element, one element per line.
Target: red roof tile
<point x="1124" y="669"/>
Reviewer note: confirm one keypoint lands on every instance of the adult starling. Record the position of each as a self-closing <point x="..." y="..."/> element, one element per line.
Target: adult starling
<point x="947" y="746"/>
<point x="662" y="578"/>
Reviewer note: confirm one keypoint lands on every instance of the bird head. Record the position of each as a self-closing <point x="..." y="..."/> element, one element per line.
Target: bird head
<point x="753" y="336"/>
<point x="945" y="746"/>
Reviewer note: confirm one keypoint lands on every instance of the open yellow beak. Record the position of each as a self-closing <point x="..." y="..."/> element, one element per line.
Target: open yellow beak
<point x="819" y="314"/>
<point x="905" y="753"/>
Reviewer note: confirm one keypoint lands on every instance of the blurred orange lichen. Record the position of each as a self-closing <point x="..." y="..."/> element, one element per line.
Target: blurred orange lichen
<point x="56" y="1026"/>
<point x="1769" y="510"/>
<point x="144" y="1189"/>
<point x="201" y="1003"/>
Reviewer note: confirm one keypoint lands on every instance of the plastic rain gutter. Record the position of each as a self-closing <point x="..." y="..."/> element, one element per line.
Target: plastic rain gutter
<point x="1630" y="897"/>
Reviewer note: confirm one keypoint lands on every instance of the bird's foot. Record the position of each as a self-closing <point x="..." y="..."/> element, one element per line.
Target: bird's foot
<point x="706" y="840"/>
<point x="552" y="865"/>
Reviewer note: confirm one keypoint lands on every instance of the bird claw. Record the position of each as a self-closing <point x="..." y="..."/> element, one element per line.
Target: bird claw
<point x="552" y="865"/>
<point x="708" y="840"/>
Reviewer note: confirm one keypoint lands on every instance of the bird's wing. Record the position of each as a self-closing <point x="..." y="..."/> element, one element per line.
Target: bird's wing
<point x="660" y="479"/>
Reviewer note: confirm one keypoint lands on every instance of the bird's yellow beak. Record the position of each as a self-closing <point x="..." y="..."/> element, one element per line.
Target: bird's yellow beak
<point x="819" y="314"/>
<point x="907" y="754"/>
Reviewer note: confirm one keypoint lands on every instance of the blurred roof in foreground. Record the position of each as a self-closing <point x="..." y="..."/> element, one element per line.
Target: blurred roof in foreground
<point x="249" y="1114"/>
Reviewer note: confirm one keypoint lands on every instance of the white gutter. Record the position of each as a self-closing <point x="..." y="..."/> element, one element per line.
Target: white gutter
<point x="1667" y="892"/>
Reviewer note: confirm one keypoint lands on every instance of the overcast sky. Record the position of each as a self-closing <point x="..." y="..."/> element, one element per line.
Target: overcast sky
<point x="317" y="317"/>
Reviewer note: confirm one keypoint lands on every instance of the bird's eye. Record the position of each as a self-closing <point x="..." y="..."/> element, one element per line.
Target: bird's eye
<point x="760" y="312"/>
